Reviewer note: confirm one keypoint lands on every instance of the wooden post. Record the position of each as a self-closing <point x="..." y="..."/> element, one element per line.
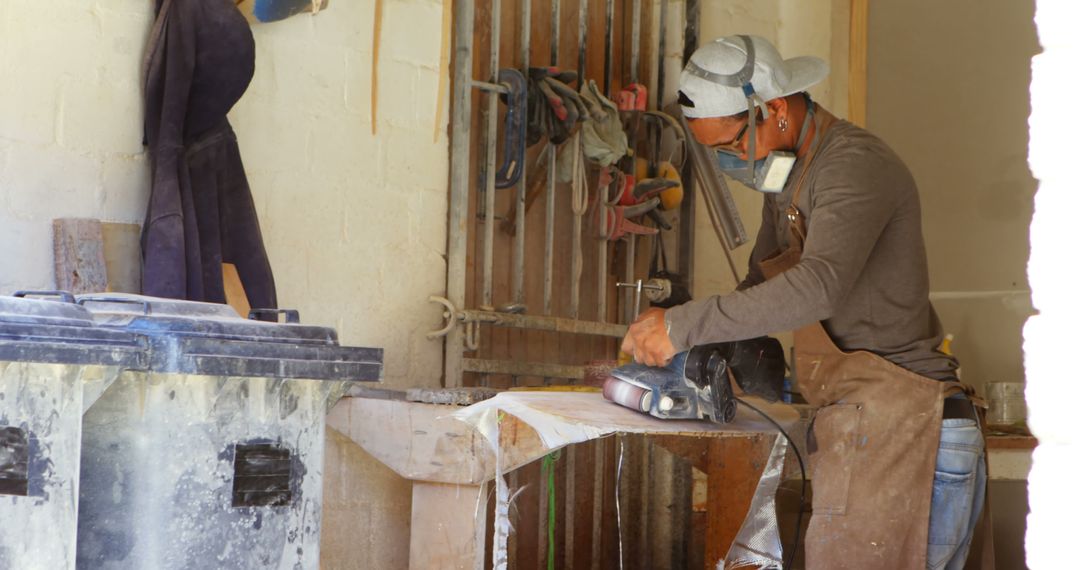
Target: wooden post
<point x="449" y="524"/>
<point x="735" y="465"/>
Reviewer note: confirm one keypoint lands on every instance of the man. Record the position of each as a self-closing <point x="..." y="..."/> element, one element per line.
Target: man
<point x="839" y="259"/>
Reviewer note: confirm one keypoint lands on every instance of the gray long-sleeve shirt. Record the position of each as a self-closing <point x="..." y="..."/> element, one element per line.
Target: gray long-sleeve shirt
<point x="863" y="271"/>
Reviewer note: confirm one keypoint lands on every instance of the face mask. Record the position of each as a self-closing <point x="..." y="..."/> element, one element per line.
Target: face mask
<point x="769" y="175"/>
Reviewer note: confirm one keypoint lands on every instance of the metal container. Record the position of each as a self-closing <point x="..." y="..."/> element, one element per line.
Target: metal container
<point x="214" y="457"/>
<point x="54" y="363"/>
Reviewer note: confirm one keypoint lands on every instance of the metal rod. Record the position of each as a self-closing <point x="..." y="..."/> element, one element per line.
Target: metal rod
<point x="518" y="279"/>
<point x="688" y="209"/>
<point x="570" y="504"/>
<point x="490" y="140"/>
<point x="578" y="205"/>
<point x="539" y="323"/>
<point x="556" y="14"/>
<point x="661" y="48"/>
<point x="629" y="311"/>
<point x="487" y="85"/>
<point x="549" y="229"/>
<point x="601" y="265"/>
<point x="549" y="211"/>
<point x="583" y="30"/>
<point x="457" y="238"/>
<point x="635" y="41"/>
<point x="517" y="368"/>
<point x="609" y="30"/>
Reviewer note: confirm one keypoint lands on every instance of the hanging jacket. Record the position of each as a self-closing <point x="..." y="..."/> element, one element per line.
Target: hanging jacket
<point x="200" y="60"/>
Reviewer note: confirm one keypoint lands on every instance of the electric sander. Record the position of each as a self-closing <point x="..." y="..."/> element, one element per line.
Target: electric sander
<point x="696" y="384"/>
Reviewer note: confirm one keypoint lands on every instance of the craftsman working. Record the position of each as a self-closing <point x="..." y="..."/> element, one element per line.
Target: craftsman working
<point x="839" y="259"/>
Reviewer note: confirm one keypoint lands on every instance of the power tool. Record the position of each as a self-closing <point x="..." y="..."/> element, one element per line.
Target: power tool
<point x="696" y="383"/>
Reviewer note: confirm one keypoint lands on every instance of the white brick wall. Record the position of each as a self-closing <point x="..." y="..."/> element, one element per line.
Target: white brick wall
<point x="70" y="124"/>
<point x="355" y="224"/>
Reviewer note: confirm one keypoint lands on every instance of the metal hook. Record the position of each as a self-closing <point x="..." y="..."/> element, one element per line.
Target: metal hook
<point x="450" y="314"/>
<point x="472" y="335"/>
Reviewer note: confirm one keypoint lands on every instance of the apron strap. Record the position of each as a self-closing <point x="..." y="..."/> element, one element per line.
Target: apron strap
<point x="797" y="224"/>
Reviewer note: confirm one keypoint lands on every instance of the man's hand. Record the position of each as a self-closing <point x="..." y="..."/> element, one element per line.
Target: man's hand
<point x="648" y="340"/>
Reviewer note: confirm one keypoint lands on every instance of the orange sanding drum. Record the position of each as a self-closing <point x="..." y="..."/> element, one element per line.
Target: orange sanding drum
<point x="627" y="395"/>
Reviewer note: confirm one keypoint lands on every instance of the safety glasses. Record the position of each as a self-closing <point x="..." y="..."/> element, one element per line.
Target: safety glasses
<point x="735" y="146"/>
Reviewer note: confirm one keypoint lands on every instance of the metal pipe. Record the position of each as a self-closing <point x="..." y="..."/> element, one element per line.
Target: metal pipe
<point x="549" y="211"/>
<point x="517" y="368"/>
<point x="609" y="30"/>
<point x="579" y="203"/>
<point x="629" y="306"/>
<point x="457" y="238"/>
<point x="539" y="323"/>
<point x="661" y="48"/>
<point x="635" y="41"/>
<point x="489" y="86"/>
<point x="549" y="229"/>
<point x="490" y="140"/>
<point x="518" y="279"/>
<point x="583" y="30"/>
<point x="601" y="264"/>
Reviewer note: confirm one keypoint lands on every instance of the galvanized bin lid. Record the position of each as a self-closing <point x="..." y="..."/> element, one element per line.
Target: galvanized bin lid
<point x="49" y="327"/>
<point x="188" y="337"/>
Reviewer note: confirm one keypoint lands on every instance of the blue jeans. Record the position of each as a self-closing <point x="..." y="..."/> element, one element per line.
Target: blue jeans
<point x="959" y="493"/>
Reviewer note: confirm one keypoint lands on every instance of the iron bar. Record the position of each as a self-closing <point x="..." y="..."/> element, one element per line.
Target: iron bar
<point x="518" y="279"/>
<point x="457" y="238"/>
<point x="549" y="211"/>
<point x="489" y="86"/>
<point x="541" y="323"/>
<point x="491" y="138"/>
<point x="635" y="41"/>
<point x="609" y="30"/>
<point x="517" y="368"/>
<point x="661" y="48"/>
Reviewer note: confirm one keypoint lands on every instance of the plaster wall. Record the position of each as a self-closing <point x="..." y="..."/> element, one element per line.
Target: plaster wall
<point x="355" y="222"/>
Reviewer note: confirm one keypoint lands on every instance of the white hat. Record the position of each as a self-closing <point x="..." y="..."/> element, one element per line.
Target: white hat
<point x="716" y="78"/>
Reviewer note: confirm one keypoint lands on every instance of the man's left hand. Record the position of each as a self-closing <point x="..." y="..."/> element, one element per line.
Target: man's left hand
<point x="648" y="340"/>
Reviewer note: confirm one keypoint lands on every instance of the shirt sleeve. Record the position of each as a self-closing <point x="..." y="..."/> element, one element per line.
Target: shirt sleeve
<point x="764" y="246"/>
<point x="847" y="216"/>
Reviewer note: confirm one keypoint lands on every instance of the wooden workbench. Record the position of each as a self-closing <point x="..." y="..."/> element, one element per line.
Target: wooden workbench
<point x="452" y="464"/>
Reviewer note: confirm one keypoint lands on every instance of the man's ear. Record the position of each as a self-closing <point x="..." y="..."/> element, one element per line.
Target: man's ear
<point x="777" y="107"/>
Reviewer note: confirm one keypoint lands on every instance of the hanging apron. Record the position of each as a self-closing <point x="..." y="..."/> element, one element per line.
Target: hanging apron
<point x="873" y="439"/>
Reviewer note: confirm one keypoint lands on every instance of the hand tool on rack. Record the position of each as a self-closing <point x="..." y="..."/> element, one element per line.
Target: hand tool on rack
<point x="514" y="128"/>
<point x="697" y="383"/>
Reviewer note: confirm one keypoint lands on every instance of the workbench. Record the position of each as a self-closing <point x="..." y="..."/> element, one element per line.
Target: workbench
<point x="452" y="465"/>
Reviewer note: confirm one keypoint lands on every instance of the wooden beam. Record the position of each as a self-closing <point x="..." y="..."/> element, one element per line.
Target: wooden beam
<point x="735" y="467"/>
<point x="857" y="49"/>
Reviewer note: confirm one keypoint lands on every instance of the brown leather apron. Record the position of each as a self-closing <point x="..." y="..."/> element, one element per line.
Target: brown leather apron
<point x="876" y="433"/>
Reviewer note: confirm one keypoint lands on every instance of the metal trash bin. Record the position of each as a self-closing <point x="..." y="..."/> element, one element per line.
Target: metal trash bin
<point x="54" y="363"/>
<point x="214" y="457"/>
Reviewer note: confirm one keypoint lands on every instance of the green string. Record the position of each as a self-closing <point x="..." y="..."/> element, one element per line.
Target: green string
<point x="549" y="465"/>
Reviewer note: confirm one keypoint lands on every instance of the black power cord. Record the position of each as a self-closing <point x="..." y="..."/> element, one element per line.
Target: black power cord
<point x="802" y="471"/>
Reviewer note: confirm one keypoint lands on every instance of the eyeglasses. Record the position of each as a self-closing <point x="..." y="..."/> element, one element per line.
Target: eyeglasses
<point x="735" y="145"/>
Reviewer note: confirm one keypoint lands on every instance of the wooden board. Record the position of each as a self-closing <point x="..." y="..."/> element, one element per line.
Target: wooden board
<point x="235" y="296"/>
<point x="123" y="256"/>
<point x="79" y="256"/>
